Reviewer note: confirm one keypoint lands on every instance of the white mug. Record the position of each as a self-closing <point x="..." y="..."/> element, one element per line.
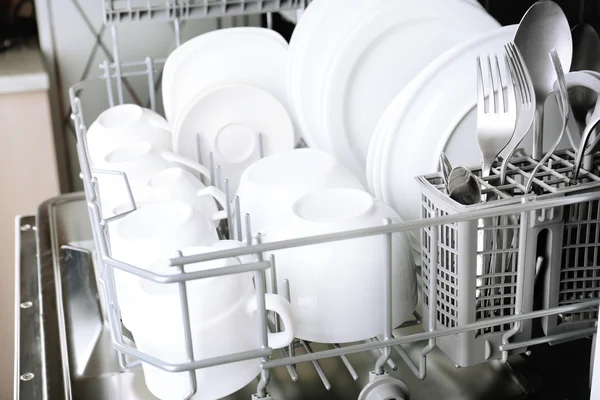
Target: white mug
<point x="337" y="288"/>
<point x="140" y="161"/>
<point x="176" y="183"/>
<point x="271" y="185"/>
<point x="223" y="321"/>
<point x="126" y="124"/>
<point x="146" y="238"/>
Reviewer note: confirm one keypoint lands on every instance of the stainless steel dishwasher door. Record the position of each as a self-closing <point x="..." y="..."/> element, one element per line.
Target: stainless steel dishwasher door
<point x="74" y="357"/>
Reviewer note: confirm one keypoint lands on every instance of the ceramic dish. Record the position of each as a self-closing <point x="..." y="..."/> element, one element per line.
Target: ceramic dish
<point x="379" y="58"/>
<point x="250" y="59"/>
<point x="228" y="120"/>
<point x="180" y="54"/>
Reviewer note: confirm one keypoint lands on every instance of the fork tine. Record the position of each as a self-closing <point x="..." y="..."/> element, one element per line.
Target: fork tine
<point x="527" y="85"/>
<point x="500" y="86"/>
<point x="511" y="101"/>
<point x="491" y="88"/>
<point x="516" y="74"/>
<point x="480" y="89"/>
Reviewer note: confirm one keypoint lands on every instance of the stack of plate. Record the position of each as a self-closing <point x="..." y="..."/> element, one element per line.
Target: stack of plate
<point x="225" y="95"/>
<point x="435" y="113"/>
<point x="350" y="58"/>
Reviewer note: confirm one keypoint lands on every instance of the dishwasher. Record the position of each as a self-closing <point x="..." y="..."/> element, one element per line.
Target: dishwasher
<point x="71" y="344"/>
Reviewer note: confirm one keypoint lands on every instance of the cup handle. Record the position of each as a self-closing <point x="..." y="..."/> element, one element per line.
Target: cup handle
<point x="170" y="156"/>
<point x="219" y="196"/>
<point x="283" y="308"/>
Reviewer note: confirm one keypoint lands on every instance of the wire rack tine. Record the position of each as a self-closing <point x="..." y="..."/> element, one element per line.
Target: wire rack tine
<point x="317" y="366"/>
<point x="347" y="364"/>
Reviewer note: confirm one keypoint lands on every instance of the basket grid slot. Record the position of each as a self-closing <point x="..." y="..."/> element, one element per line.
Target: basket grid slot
<point x="447" y="278"/>
<point x="580" y="270"/>
<point x="496" y="284"/>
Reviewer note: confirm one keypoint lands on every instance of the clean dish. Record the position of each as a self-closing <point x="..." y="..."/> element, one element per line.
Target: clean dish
<point x="125" y="124"/>
<point x="252" y="60"/>
<point x="412" y="147"/>
<point x="270" y="186"/>
<point x="146" y="238"/>
<point x="420" y="137"/>
<point x="303" y="39"/>
<point x="138" y="162"/>
<point x="377" y="60"/>
<point x="177" y="184"/>
<point x="336" y="288"/>
<point x="223" y="321"/>
<point x="179" y="55"/>
<point x="229" y="119"/>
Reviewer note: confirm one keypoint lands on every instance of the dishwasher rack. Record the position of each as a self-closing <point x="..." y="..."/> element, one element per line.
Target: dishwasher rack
<point x="380" y="382"/>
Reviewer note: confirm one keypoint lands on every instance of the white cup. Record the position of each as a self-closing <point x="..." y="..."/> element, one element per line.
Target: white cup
<point x="177" y="184"/>
<point x="271" y="185"/>
<point x="146" y="238"/>
<point x="337" y="288"/>
<point x="223" y="321"/>
<point x="126" y="124"/>
<point x="140" y="161"/>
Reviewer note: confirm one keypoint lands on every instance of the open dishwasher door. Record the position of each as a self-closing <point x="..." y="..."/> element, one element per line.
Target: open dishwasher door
<point x="65" y="349"/>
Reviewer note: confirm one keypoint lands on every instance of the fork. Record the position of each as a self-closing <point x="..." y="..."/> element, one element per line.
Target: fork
<point x="563" y="108"/>
<point x="526" y="103"/>
<point x="496" y="120"/>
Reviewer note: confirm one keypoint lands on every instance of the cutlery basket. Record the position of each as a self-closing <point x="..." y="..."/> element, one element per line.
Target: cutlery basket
<point x="478" y="273"/>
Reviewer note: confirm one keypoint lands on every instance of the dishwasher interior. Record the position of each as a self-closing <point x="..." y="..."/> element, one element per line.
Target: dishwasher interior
<point x="65" y="342"/>
<point x="65" y="349"/>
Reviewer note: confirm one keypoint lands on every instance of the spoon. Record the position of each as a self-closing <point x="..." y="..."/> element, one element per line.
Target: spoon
<point x="586" y="56"/>
<point x="463" y="187"/>
<point x="563" y="107"/>
<point x="583" y="145"/>
<point x="461" y="184"/>
<point x="446" y="167"/>
<point x="586" y="48"/>
<point x="543" y="27"/>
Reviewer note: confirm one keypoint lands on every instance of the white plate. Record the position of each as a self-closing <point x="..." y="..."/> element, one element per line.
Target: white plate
<point x="434" y="104"/>
<point x="249" y="59"/>
<point x="439" y="114"/>
<point x="229" y="119"/>
<point x="336" y="19"/>
<point x="381" y="56"/>
<point x="178" y="56"/>
<point x="301" y="39"/>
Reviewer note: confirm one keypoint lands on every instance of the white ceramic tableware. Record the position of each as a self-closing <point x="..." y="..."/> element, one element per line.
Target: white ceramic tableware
<point x="371" y="66"/>
<point x="181" y="53"/>
<point x="270" y="186"/>
<point x="233" y="122"/>
<point x="337" y="288"/>
<point x="223" y="321"/>
<point x="126" y="124"/>
<point x="178" y="184"/>
<point x="146" y="238"/>
<point x="414" y="139"/>
<point x="255" y="60"/>
<point x="139" y="161"/>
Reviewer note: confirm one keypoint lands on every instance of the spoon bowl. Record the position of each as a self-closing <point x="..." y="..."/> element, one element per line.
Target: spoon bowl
<point x="543" y="27"/>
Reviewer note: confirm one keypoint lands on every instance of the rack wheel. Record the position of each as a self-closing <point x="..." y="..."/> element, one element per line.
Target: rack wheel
<point x="384" y="387"/>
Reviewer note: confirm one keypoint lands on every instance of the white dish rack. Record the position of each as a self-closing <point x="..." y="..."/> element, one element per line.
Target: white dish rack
<point x="389" y="340"/>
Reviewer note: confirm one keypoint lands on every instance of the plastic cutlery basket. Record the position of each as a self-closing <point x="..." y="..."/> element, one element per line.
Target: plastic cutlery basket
<point x="478" y="272"/>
